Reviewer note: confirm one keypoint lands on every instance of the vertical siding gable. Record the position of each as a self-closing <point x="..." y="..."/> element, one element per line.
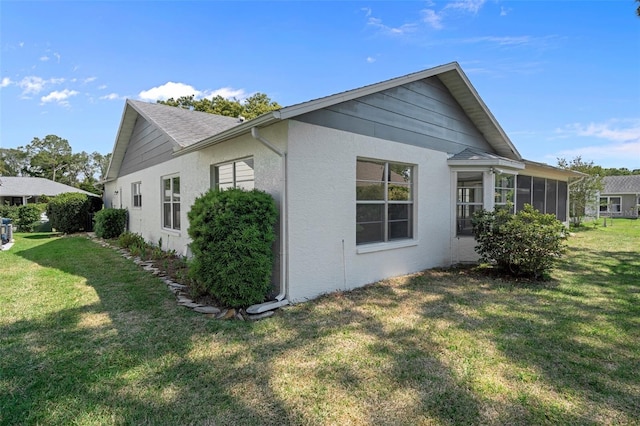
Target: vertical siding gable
<point x="147" y="147"/>
<point x="422" y="113"/>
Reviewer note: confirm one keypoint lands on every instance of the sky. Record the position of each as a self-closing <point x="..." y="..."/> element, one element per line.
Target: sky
<point x="561" y="77"/>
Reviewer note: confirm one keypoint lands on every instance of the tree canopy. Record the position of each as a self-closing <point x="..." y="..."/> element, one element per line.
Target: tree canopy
<point x="53" y="158"/>
<point x="582" y="191"/>
<point x="249" y="108"/>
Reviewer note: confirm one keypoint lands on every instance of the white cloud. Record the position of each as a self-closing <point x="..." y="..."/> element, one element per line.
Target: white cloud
<point x="102" y="87"/>
<point x="617" y="130"/>
<point x="6" y="81"/>
<point x="472" y="6"/>
<point x="176" y="90"/>
<point x="111" y="97"/>
<point x="31" y="85"/>
<point x="502" y="41"/>
<point x="504" y="11"/>
<point x="624" y="154"/>
<point x="89" y="79"/>
<point x="169" y="90"/>
<point x="370" y="59"/>
<point x="432" y="18"/>
<point x="228" y="93"/>
<point x="392" y="31"/>
<point x="623" y="137"/>
<point x="44" y="58"/>
<point x="57" y="55"/>
<point x="367" y="11"/>
<point x="59" y="96"/>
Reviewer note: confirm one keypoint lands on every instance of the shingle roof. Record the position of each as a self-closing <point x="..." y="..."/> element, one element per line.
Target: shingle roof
<point x="184" y="126"/>
<point x="19" y="186"/>
<point x="621" y="184"/>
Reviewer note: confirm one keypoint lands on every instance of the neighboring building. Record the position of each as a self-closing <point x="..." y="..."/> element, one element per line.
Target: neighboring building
<point x="19" y="190"/>
<point x="620" y="196"/>
<point x="371" y="183"/>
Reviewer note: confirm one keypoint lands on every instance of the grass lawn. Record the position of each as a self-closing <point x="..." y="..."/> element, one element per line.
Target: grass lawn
<point x="88" y="338"/>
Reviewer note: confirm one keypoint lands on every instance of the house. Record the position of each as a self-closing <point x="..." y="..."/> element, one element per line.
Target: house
<point x="20" y="190"/>
<point x="371" y="183"/>
<point x="620" y="196"/>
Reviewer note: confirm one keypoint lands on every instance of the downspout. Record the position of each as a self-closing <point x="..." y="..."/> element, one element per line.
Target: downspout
<point x="281" y="298"/>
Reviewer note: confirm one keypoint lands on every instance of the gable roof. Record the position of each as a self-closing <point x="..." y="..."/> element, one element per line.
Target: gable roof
<point x="621" y="184"/>
<point x="20" y="186"/>
<point x="451" y="76"/>
<point x="182" y="126"/>
<point x="193" y="131"/>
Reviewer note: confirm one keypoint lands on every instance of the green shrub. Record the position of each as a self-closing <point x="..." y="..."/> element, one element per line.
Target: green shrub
<point x="522" y="244"/>
<point x="69" y="212"/>
<point x="129" y="240"/>
<point x="232" y="233"/>
<point x="10" y="212"/>
<point x="28" y="217"/>
<point x="110" y="223"/>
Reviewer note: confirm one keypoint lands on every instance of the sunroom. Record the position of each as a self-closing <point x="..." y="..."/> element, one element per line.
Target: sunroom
<point x="485" y="181"/>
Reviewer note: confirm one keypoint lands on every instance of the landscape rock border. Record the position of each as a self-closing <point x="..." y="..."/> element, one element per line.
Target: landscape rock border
<point x="182" y="298"/>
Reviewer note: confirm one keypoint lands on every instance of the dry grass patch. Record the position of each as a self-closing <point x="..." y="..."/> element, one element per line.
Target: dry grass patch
<point x="108" y="345"/>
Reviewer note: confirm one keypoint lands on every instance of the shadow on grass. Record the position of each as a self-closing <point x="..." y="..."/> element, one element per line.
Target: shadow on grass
<point x="124" y="357"/>
<point x="581" y="338"/>
<point x="134" y="357"/>
<point x="41" y="236"/>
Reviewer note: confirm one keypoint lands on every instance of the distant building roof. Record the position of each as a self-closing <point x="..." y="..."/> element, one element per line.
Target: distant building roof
<point x="621" y="184"/>
<point x="20" y="186"/>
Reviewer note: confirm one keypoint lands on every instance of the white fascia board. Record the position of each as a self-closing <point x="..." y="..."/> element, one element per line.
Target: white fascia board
<point x="127" y="122"/>
<point x="313" y="105"/>
<point x="565" y="172"/>
<point x="489" y="162"/>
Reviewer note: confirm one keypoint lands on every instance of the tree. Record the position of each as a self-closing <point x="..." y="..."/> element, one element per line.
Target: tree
<point x="251" y="107"/>
<point x="50" y="157"/>
<point x="582" y="191"/>
<point x="13" y="161"/>
<point x="638" y="9"/>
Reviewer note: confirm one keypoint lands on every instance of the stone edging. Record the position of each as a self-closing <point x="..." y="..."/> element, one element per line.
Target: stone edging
<point x="177" y="289"/>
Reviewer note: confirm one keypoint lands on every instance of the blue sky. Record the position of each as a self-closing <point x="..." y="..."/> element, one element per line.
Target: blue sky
<point x="561" y="77"/>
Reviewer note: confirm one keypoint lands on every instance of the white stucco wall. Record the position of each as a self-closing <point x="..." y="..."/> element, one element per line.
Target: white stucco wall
<point x="323" y="256"/>
<point x="194" y="172"/>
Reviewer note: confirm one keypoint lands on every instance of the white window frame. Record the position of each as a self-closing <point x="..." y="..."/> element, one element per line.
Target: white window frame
<point x="171" y="203"/>
<point x="136" y="195"/>
<point x="461" y="202"/>
<point x="386" y="202"/>
<point x="609" y="205"/>
<point x="504" y="195"/>
<point x="247" y="184"/>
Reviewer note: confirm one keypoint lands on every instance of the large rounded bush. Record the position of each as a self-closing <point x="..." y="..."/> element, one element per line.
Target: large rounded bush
<point x="70" y="212"/>
<point x="232" y="233"/>
<point x="523" y="244"/>
<point x="110" y="223"/>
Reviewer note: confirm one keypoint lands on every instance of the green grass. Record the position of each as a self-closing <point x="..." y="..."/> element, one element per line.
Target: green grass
<point x="88" y="338"/>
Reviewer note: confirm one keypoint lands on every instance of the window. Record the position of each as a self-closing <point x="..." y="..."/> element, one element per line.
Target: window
<point x="137" y="195"/>
<point x="504" y="188"/>
<point x="610" y="205"/>
<point x="469" y="200"/>
<point x="171" y="202"/>
<point x="237" y="174"/>
<point x="384" y="201"/>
